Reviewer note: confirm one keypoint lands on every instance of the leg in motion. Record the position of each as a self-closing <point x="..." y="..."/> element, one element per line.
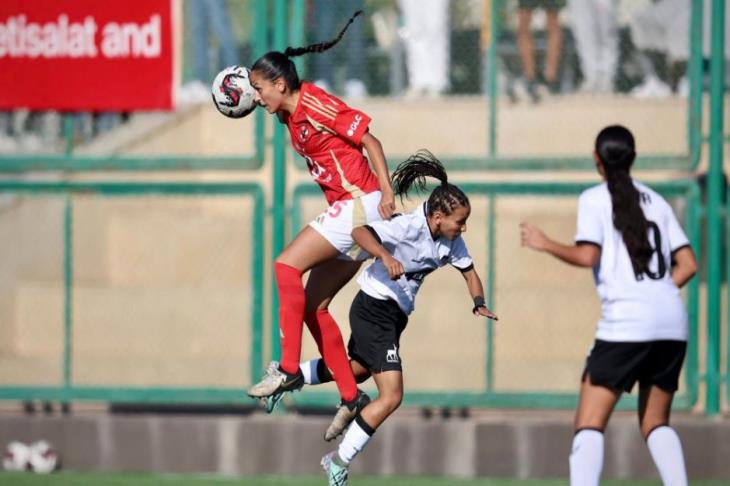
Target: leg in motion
<point x="390" y="395"/>
<point x="661" y="439"/>
<point x="307" y="250"/>
<point x="594" y="409"/>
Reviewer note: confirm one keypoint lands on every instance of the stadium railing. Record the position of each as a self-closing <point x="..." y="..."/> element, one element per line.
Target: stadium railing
<point x="63" y="386"/>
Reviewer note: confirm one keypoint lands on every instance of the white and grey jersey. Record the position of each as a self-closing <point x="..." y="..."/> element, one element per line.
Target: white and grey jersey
<point x="644" y="307"/>
<point x="408" y="238"/>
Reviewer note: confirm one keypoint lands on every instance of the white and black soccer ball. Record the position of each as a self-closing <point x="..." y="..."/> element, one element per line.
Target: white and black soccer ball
<point x="43" y="457"/>
<point x="16" y="457"/>
<point x="232" y="92"/>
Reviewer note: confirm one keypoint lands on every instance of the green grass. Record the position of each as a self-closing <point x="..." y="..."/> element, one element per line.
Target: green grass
<point x="67" y="478"/>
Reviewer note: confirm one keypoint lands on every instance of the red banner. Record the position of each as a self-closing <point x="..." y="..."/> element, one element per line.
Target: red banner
<point x="79" y="55"/>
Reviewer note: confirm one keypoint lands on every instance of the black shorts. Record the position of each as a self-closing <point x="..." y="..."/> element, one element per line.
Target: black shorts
<point x="618" y="365"/>
<point x="376" y="328"/>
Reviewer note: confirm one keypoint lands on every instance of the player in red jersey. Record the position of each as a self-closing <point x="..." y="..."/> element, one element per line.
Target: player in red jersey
<point x="330" y="136"/>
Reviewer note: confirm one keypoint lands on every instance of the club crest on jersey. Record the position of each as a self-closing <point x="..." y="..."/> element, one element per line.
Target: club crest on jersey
<point x="303" y="134"/>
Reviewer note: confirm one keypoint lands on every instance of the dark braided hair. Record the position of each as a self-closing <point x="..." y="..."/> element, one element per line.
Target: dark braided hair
<point x="616" y="150"/>
<point x="277" y="64"/>
<point x="413" y="171"/>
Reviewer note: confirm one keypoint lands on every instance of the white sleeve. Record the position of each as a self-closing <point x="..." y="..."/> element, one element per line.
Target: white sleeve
<point x="676" y="235"/>
<point x="390" y="232"/>
<point x="459" y="256"/>
<point x="589" y="228"/>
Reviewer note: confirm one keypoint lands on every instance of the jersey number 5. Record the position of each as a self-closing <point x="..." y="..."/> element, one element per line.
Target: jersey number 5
<point x="661" y="263"/>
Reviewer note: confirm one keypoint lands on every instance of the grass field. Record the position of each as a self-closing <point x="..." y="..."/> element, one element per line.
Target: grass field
<point x="99" y="479"/>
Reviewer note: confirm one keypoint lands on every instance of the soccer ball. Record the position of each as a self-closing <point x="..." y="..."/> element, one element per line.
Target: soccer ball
<point x="232" y="92"/>
<point x="43" y="458"/>
<point x="16" y="457"/>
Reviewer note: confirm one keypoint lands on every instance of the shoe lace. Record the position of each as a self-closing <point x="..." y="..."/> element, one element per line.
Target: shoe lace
<point x="339" y="475"/>
<point x="272" y="373"/>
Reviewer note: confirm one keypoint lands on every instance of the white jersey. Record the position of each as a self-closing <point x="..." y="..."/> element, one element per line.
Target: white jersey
<point x="644" y="308"/>
<point x="408" y="238"/>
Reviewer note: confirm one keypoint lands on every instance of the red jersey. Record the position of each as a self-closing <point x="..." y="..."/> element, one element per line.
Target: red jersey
<point x="327" y="133"/>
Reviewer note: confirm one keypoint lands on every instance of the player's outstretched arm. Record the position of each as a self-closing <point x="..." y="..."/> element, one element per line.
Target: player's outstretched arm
<point x="582" y="255"/>
<point x="365" y="239"/>
<point x="684" y="266"/>
<point x="476" y="290"/>
<point x="377" y="158"/>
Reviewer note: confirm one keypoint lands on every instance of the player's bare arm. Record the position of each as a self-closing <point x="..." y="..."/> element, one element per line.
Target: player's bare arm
<point x="581" y="255"/>
<point x="476" y="290"/>
<point x="684" y="266"/>
<point x="363" y="237"/>
<point x="377" y="158"/>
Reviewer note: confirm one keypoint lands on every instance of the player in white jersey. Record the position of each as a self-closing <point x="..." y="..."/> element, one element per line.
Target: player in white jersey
<point x="407" y="248"/>
<point x="640" y="258"/>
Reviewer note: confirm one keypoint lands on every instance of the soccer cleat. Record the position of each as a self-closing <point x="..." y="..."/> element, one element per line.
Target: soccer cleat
<point x="271" y="402"/>
<point x="336" y="474"/>
<point x="346" y="413"/>
<point x="276" y="381"/>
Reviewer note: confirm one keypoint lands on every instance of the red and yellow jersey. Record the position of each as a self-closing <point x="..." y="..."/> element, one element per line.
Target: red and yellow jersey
<point x="328" y="134"/>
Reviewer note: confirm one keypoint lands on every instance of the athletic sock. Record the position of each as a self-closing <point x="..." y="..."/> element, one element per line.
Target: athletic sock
<point x="355" y="440"/>
<point x="666" y="450"/>
<point x="291" y="315"/>
<point x="315" y="372"/>
<point x="333" y="351"/>
<point x="586" y="458"/>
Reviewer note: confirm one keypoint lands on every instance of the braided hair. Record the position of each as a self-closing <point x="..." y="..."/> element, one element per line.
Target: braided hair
<point x="616" y="150"/>
<point x="413" y="171"/>
<point x="277" y="64"/>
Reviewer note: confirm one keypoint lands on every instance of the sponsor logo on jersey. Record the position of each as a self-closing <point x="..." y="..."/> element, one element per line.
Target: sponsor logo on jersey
<point x="353" y="126"/>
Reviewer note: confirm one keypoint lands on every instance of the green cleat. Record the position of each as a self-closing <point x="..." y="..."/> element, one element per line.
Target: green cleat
<point x="336" y="473"/>
<point x="271" y="402"/>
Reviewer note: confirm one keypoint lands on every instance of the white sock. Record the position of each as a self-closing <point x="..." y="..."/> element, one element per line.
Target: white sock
<point x="355" y="440"/>
<point x="666" y="450"/>
<point x="586" y="458"/>
<point x="309" y="370"/>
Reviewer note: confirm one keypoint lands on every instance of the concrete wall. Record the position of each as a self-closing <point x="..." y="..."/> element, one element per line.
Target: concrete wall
<point x="490" y="443"/>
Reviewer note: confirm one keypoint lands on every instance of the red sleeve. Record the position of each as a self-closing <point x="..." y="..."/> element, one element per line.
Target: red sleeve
<point x="333" y="114"/>
<point x="351" y="124"/>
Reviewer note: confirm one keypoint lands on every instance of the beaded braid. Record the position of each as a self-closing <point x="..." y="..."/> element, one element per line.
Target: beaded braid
<point x="413" y="172"/>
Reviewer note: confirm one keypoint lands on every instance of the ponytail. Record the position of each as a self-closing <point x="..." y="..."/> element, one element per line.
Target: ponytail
<point x="413" y="172"/>
<point x="616" y="150"/>
<point x="277" y="64"/>
<point x="322" y="46"/>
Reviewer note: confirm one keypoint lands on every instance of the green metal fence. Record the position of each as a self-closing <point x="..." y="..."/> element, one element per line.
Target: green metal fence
<point x="107" y="314"/>
<point x="279" y="23"/>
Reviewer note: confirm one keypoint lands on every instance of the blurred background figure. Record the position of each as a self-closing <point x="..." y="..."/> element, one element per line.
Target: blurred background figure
<point x="660" y="33"/>
<point x="203" y="18"/>
<point x="595" y="28"/>
<point x="526" y="44"/>
<point x="327" y="22"/>
<point x="426" y="38"/>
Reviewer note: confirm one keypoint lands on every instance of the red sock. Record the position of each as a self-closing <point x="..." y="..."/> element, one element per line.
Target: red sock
<point x="291" y="315"/>
<point x="327" y="333"/>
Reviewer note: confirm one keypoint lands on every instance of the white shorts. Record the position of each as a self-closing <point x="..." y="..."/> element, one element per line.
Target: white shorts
<point x="337" y="222"/>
